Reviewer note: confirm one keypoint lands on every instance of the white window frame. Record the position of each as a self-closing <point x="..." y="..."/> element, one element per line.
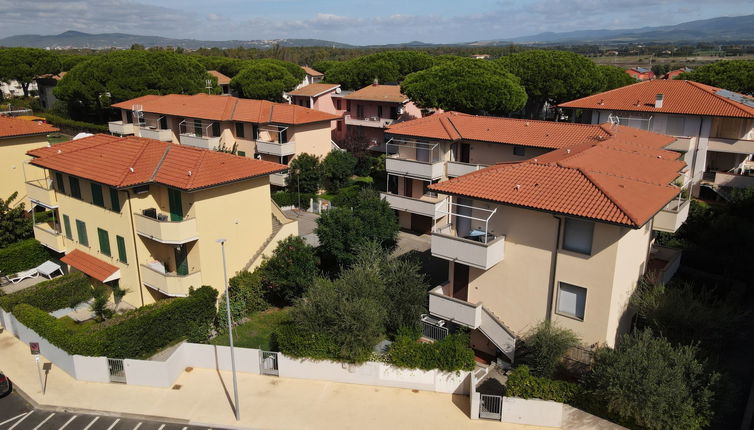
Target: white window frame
<point x="576" y="289"/>
<point x="565" y="234"/>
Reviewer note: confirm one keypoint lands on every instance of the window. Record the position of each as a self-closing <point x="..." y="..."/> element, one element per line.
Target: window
<point x="198" y="128"/>
<point x="114" y="200"/>
<point x="359" y="111"/>
<point x="129" y="117"/>
<point x="379" y="111"/>
<point x="121" y="249"/>
<point x="75" y="187"/>
<point x="215" y="129"/>
<point x="337" y="104"/>
<point x="519" y="150"/>
<point x="239" y="129"/>
<point x="676" y="126"/>
<point x="284" y="135"/>
<point x="348" y="105"/>
<point x="59" y="184"/>
<point x="254" y="131"/>
<point x="571" y="300"/>
<point x="241" y="153"/>
<point x="67" y="227"/>
<point x="97" y="198"/>
<point x="163" y="123"/>
<point x="577" y="236"/>
<point x="393" y="112"/>
<point x="81" y="231"/>
<point x="104" y="241"/>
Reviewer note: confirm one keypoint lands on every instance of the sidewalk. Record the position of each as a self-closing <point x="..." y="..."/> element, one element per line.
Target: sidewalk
<point x="267" y="402"/>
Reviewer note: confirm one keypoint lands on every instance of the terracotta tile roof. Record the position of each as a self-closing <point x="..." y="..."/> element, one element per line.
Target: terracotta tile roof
<point x="129" y="161"/>
<point x="221" y="79"/>
<point x="621" y="180"/>
<point x="312" y="90"/>
<point x="311" y="72"/>
<point x="680" y="97"/>
<point x="226" y="108"/>
<point x="92" y="266"/>
<point x="57" y="77"/>
<point x="379" y="93"/>
<point x="14" y="127"/>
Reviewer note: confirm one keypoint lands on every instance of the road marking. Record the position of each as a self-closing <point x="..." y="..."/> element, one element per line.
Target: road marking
<point x="91" y="423"/>
<point x="137" y="426"/>
<point x="44" y="421"/>
<point x="19" y="416"/>
<point x="161" y="427"/>
<point x="68" y="422"/>
<point x="21" y="420"/>
<point x="113" y="424"/>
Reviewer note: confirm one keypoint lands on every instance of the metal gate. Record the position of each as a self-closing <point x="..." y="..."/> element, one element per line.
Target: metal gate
<point x="491" y="407"/>
<point x="117" y="372"/>
<point x="268" y="363"/>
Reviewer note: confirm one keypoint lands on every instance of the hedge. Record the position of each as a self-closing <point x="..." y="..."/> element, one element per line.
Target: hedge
<point x="287" y="198"/>
<point x="294" y="342"/>
<point x="522" y="384"/>
<point x="450" y="354"/>
<point x="73" y="125"/>
<point x="59" y="293"/>
<point x="22" y="256"/>
<point x="136" y="334"/>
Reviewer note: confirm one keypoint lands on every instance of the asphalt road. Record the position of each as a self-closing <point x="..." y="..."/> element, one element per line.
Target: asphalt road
<point x="17" y="414"/>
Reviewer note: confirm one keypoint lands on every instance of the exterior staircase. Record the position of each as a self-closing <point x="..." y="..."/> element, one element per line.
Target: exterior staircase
<point x="276" y="226"/>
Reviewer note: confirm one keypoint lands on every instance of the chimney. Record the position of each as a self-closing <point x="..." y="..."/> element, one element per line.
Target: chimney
<point x="658" y="101"/>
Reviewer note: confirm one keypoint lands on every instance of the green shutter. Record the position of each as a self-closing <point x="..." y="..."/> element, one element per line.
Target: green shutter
<point x="67" y="226"/>
<point x="81" y="230"/>
<point x="175" y="204"/>
<point x="114" y="200"/>
<point x="59" y="182"/>
<point x="97" y="198"/>
<point x="242" y="153"/>
<point x="104" y="242"/>
<point x="121" y="249"/>
<point x="75" y="187"/>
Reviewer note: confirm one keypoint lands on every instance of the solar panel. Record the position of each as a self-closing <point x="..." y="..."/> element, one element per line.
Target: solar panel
<point x="738" y="98"/>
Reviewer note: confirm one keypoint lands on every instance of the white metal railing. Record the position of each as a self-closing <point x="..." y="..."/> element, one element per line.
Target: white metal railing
<point x="631" y="121"/>
<point x="184" y="129"/>
<point x="478" y="234"/>
<point x="423" y="152"/>
<point x="272" y="129"/>
<point x="152" y="123"/>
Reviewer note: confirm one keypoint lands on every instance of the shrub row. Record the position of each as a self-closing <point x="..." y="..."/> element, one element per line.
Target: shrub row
<point x="22" y="256"/>
<point x="523" y="384"/>
<point x="59" y="293"/>
<point x="72" y="125"/>
<point x="287" y="198"/>
<point x="136" y="334"/>
<point x="450" y="354"/>
<point x="295" y="342"/>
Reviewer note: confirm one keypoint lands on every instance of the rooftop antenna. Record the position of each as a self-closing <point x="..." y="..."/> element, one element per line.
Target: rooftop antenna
<point x="209" y="86"/>
<point x="138" y="114"/>
<point x="613" y="120"/>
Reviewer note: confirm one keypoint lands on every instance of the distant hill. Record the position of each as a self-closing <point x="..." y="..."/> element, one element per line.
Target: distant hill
<point x="77" y="39"/>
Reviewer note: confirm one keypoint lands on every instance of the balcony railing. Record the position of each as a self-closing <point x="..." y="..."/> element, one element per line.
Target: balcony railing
<point x="169" y="283"/>
<point x="416" y="159"/>
<point x="672" y="216"/>
<point x="119" y="128"/>
<point x="158" y="228"/>
<point x="50" y="237"/>
<point x="456" y="168"/>
<point x="278" y="179"/>
<point x="205" y="142"/>
<point x="442" y="304"/>
<point x="41" y="191"/>
<point x="725" y="179"/>
<point x="475" y="246"/>
<point x="682" y="144"/>
<point x="427" y="205"/>
<point x="372" y="121"/>
<point x="165" y="135"/>
<point x="278" y="149"/>
<point x="737" y="146"/>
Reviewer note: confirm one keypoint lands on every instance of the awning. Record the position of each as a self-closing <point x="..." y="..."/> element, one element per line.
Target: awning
<point x="94" y="267"/>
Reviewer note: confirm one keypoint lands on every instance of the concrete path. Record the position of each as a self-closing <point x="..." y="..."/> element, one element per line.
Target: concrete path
<point x="202" y="397"/>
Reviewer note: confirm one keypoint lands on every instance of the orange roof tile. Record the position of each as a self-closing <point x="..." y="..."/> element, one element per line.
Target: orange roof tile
<point x="92" y="266"/>
<point x="221" y="79"/>
<point x="14" y="127"/>
<point x="379" y="93"/>
<point x="311" y="72"/>
<point x="680" y="97"/>
<point x="313" y="90"/>
<point x="226" y="108"/>
<point x="129" y="161"/>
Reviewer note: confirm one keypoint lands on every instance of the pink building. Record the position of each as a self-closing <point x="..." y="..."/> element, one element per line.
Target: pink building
<point x="322" y="97"/>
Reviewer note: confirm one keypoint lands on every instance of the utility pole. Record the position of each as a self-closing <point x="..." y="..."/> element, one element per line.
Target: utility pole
<point x="237" y="407"/>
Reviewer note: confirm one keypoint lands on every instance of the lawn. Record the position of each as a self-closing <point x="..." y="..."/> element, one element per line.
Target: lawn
<point x="257" y="331"/>
<point x="57" y="138"/>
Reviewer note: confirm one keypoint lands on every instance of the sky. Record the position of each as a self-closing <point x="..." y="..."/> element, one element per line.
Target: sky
<point x="357" y="22"/>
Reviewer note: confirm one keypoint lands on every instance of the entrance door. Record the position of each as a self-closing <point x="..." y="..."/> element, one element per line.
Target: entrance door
<point x="176" y="206"/>
<point x="408" y="187"/>
<point x="464" y="153"/>
<point x="421" y="224"/>
<point x="460" y="281"/>
<point x="463" y="223"/>
<point x="181" y="261"/>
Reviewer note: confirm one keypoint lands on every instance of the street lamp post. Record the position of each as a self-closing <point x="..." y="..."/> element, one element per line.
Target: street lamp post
<point x="237" y="407"/>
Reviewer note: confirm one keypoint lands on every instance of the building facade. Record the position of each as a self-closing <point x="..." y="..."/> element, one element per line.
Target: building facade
<point x="322" y="97"/>
<point x="370" y="110"/>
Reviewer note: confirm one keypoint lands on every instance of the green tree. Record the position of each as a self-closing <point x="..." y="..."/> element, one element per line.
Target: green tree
<point x="466" y="85"/>
<point x="324" y="66"/>
<point x="289" y="272"/>
<point x="263" y="82"/>
<point x="388" y="66"/>
<point x="648" y="382"/>
<point x="733" y="75"/>
<point x="304" y="174"/>
<point x="24" y="64"/>
<point x="15" y="226"/>
<point x="227" y="66"/>
<point x="553" y="77"/>
<point x="337" y="168"/>
<point x="294" y="69"/>
<point x="614" y="77"/>
<point x="545" y="346"/>
<point x="406" y="289"/>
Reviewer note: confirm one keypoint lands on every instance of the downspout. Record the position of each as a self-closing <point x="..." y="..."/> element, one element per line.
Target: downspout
<point x="136" y="249"/>
<point x="553" y="269"/>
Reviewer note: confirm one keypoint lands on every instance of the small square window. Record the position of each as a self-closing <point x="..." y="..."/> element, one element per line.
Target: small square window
<point x="577" y="236"/>
<point x="519" y="150"/>
<point x="571" y="301"/>
<point x="239" y="129"/>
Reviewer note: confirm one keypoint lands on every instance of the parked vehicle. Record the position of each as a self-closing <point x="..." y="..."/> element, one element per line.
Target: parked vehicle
<point x="5" y="385"/>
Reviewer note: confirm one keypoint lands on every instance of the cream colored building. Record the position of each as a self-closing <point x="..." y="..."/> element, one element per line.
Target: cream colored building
<point x="538" y="220"/>
<point x="17" y="137"/>
<point x="147" y="214"/>
<point x="256" y="128"/>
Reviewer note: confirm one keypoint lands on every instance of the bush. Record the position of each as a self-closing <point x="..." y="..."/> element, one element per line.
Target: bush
<point x="289" y="272"/>
<point x="295" y="342"/>
<point x="450" y="354"/>
<point x="545" y="347"/>
<point x="246" y="296"/>
<point x="337" y="168"/>
<point x="22" y="256"/>
<point x="526" y="386"/>
<point x="59" y="293"/>
<point x="15" y="224"/>
<point x="73" y="126"/>
<point x="304" y="174"/>
<point x="287" y="198"/>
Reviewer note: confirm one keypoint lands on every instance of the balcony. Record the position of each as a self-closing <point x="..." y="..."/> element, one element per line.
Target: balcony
<point x="41" y="191"/>
<point x="372" y="121"/>
<point x="204" y="142"/>
<point x="736" y="146"/>
<point x="119" y="128"/>
<point x="724" y="179"/>
<point x="417" y="169"/>
<point x="456" y="168"/>
<point x="276" y="148"/>
<point x="663" y="263"/>
<point x="165" y="135"/>
<point x="681" y="144"/>
<point x="278" y="179"/>
<point x="169" y="283"/>
<point x="425" y="205"/>
<point x="672" y="216"/>
<point x="49" y="237"/>
<point x="156" y="226"/>
<point x="442" y="304"/>
<point x="470" y="250"/>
